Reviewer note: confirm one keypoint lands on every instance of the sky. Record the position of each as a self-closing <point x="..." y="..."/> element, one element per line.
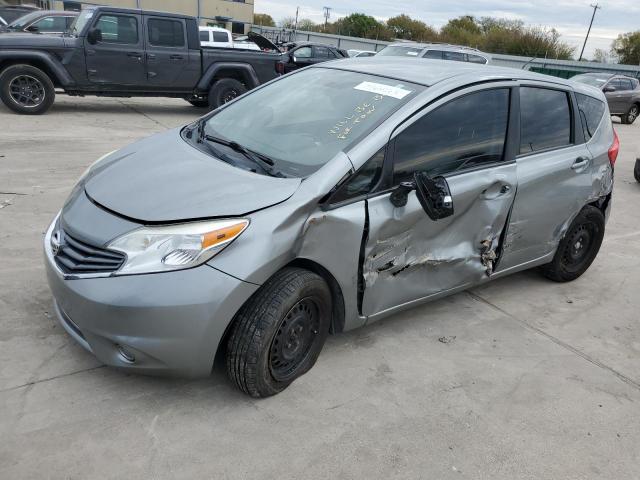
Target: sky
<point x="570" y="17"/>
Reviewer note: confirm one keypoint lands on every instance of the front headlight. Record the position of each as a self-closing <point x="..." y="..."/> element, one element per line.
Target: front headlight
<point x="175" y="247"/>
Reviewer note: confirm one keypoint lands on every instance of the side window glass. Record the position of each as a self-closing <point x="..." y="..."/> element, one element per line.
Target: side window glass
<point x="361" y="182"/>
<point x="591" y="111"/>
<point x="118" y="29"/>
<point x="220" y="37"/>
<point x="435" y="54"/>
<point x="321" y="52"/>
<point x="303" y="52"/>
<point x="165" y="33"/>
<point x="465" y="133"/>
<point x="627" y="84"/>
<point x="51" y="24"/>
<point x="455" y="56"/>
<point x="545" y="119"/>
<point x="204" y="36"/>
<point x="476" y="59"/>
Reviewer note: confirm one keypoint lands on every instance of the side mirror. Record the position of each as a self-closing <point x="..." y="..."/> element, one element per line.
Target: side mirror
<point x="433" y="194"/>
<point x="609" y="89"/>
<point x="94" y="36"/>
<point x="32" y="28"/>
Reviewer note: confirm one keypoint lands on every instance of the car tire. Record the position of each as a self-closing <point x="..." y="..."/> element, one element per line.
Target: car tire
<point x="26" y="89"/>
<point x="278" y="334"/>
<point x="579" y="247"/>
<point x="199" y="103"/>
<point x="636" y="170"/>
<point x="224" y="91"/>
<point x="631" y="115"/>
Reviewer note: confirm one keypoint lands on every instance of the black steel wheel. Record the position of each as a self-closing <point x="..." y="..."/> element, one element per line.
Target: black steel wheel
<point x="579" y="247"/>
<point x="26" y="89"/>
<point x="278" y="334"/>
<point x="224" y="91"/>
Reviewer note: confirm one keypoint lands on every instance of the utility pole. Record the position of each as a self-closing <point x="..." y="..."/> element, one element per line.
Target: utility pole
<point x="295" y="27"/>
<point x="327" y="15"/>
<point x="595" y="7"/>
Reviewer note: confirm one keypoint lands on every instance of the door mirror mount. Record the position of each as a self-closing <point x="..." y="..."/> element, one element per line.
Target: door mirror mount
<point x="434" y="196"/>
<point x="400" y="195"/>
<point x="609" y="89"/>
<point x="94" y="36"/>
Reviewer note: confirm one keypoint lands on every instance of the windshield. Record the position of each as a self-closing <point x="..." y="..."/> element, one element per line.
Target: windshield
<point x="593" y="80"/>
<point x="81" y="20"/>
<point x="303" y="120"/>
<point x="22" y="22"/>
<point x="398" y="51"/>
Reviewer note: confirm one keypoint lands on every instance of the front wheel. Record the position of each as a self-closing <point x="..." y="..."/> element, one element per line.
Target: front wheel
<point x="26" y="89"/>
<point x="279" y="333"/>
<point x="224" y="91"/>
<point x="631" y="115"/>
<point x="579" y="247"/>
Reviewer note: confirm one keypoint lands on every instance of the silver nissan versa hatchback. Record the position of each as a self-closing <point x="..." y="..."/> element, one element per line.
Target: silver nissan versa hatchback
<point x="324" y="201"/>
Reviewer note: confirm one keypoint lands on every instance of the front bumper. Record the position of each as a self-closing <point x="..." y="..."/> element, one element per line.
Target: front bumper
<point x="170" y="323"/>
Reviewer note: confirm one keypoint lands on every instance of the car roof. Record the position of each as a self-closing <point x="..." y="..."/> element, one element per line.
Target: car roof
<point x="439" y="46"/>
<point x="136" y="11"/>
<point x="429" y="72"/>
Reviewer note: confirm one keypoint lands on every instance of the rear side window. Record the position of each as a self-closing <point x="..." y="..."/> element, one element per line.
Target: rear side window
<point x="220" y="37"/>
<point x="165" y="33"/>
<point x="455" y="56"/>
<point x="467" y="132"/>
<point x="545" y="119"/>
<point x="51" y="24"/>
<point x="204" y="36"/>
<point x="434" y="54"/>
<point x="320" y="52"/>
<point x="591" y="111"/>
<point x="476" y="59"/>
<point x="118" y="29"/>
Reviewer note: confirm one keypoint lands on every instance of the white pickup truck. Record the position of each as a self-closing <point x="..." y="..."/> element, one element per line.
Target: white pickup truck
<point x="221" y="38"/>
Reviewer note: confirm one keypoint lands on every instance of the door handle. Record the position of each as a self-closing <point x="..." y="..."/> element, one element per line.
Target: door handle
<point x="580" y="163"/>
<point x="151" y="56"/>
<point x="498" y="189"/>
<point x="176" y="57"/>
<point x="135" y="55"/>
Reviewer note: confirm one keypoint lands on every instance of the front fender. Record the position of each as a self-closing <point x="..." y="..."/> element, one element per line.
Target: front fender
<point x="55" y="68"/>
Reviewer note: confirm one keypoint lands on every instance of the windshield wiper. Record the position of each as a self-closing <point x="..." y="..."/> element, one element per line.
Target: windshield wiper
<point x="263" y="161"/>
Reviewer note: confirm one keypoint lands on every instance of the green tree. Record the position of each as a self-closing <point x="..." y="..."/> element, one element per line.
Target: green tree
<point x="306" y="25"/>
<point x="407" y="28"/>
<point x="288" y="22"/>
<point x="263" y="19"/>
<point x="357" y="25"/>
<point x="463" y="31"/>
<point x="627" y="48"/>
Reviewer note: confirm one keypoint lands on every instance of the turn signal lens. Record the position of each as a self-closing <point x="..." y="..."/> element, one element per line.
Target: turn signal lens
<point x="222" y="235"/>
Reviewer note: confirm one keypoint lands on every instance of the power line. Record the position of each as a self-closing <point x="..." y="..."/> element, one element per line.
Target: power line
<point x="595" y="7"/>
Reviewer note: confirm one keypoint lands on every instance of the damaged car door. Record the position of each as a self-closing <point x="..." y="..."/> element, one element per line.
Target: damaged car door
<point x="460" y="146"/>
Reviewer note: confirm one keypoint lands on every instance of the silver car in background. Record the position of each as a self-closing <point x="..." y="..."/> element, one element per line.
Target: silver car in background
<point x="321" y="202"/>
<point x="436" y="51"/>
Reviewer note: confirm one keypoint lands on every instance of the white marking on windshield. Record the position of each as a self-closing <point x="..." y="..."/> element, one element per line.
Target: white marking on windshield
<point x="382" y="89"/>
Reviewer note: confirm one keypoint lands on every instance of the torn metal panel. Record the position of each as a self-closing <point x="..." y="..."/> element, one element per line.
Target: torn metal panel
<point x="408" y="256"/>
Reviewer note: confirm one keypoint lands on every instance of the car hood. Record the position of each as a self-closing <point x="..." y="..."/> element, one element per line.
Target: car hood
<point x="24" y="39"/>
<point x="262" y="42"/>
<point x="164" y="179"/>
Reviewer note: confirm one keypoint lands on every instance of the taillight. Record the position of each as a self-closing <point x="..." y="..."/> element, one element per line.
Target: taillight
<point x="280" y="68"/>
<point x="614" y="149"/>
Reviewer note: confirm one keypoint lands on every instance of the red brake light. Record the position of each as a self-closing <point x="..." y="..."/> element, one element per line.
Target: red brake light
<point x="614" y="149"/>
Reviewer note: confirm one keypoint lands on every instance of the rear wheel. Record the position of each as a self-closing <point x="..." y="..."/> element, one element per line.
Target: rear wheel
<point x="579" y="247"/>
<point x="279" y="333"/>
<point x="224" y="91"/>
<point x="26" y="89"/>
<point x="631" y="115"/>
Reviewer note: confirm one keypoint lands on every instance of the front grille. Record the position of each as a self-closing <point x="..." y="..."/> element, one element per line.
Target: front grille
<point x="76" y="257"/>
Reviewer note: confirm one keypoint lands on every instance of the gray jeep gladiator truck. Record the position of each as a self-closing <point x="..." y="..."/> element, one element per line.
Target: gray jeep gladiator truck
<point x="121" y="52"/>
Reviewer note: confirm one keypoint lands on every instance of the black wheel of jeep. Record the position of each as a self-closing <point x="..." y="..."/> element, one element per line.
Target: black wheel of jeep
<point x="636" y="170"/>
<point x="579" y="247"/>
<point x="631" y="115"/>
<point x="199" y="103"/>
<point x="279" y="333"/>
<point x="26" y="89"/>
<point x="224" y="91"/>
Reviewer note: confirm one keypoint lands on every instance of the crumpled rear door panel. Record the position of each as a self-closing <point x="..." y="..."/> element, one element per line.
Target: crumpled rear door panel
<point x="408" y="256"/>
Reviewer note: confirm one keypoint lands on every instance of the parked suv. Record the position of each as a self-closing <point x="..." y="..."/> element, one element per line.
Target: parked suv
<point x="623" y="93"/>
<point x="43" y="21"/>
<point x="321" y="202"/>
<point x="435" y="51"/>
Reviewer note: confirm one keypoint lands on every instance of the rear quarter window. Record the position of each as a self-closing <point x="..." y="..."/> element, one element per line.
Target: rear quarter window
<point x="591" y="112"/>
<point x="545" y="119"/>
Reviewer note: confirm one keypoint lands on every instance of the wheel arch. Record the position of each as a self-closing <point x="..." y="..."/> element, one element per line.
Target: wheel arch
<point x="55" y="71"/>
<point x="242" y="72"/>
